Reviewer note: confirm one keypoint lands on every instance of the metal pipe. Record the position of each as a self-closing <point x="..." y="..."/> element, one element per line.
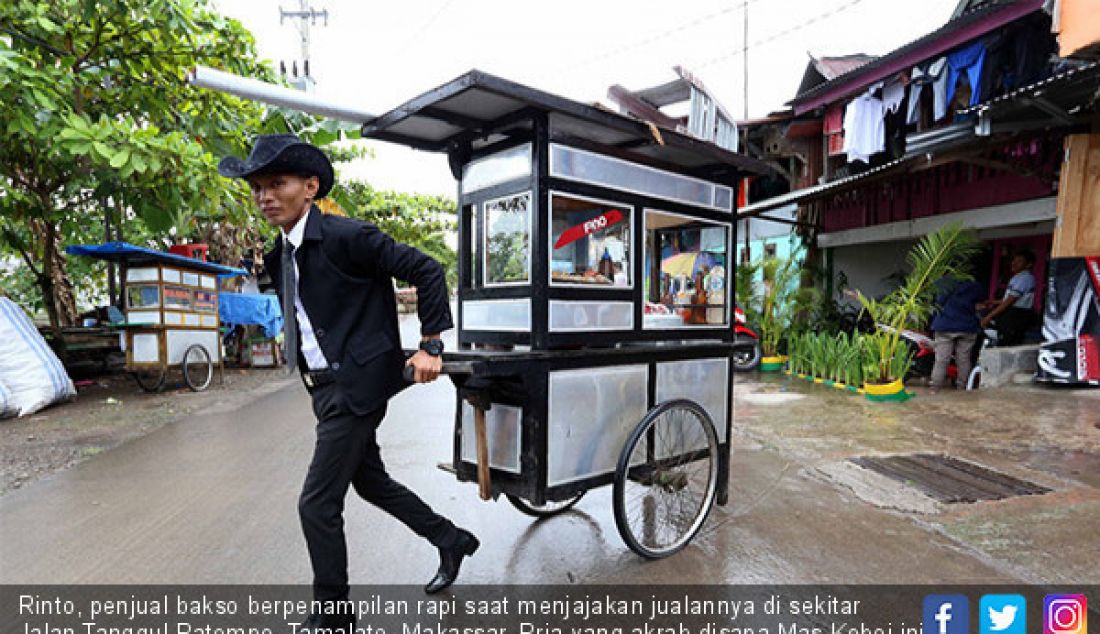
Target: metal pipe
<point x="264" y="92"/>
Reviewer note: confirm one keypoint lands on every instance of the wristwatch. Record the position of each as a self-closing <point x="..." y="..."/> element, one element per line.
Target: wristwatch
<point x="433" y="347"/>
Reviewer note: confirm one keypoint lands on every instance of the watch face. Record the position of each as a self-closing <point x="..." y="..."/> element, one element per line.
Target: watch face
<point x="433" y="347"/>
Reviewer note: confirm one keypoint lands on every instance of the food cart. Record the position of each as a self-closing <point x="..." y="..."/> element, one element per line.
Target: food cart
<point x="170" y="313"/>
<point x="594" y="303"/>
<point x="594" y="300"/>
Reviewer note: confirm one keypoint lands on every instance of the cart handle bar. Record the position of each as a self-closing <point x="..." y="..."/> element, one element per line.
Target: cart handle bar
<point x="451" y="368"/>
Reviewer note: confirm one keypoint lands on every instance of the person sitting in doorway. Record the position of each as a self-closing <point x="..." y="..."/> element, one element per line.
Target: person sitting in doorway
<point x="1013" y="314"/>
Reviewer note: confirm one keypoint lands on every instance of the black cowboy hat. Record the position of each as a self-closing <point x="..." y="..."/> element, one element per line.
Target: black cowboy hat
<point x="281" y="154"/>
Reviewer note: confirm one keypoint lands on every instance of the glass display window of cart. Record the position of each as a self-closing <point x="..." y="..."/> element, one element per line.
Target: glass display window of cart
<point x="506" y="253"/>
<point x="179" y="298"/>
<point x="590" y="242"/>
<point x="142" y="296"/>
<point x="687" y="269"/>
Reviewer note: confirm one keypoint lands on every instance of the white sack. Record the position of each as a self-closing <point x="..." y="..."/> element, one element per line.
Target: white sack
<point x="28" y="368"/>
<point x="7" y="403"/>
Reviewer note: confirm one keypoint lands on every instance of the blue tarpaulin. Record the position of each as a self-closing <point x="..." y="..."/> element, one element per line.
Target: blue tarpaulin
<point x="131" y="255"/>
<point x="251" y="308"/>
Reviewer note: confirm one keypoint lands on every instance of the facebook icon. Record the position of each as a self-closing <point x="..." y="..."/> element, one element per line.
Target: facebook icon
<point x="946" y="614"/>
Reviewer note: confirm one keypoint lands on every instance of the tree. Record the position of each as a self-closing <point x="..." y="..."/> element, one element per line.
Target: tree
<point x="96" y="119"/>
<point x="417" y="220"/>
<point x="943" y="253"/>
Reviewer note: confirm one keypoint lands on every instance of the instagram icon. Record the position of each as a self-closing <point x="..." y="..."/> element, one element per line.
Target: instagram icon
<point x="1065" y="614"/>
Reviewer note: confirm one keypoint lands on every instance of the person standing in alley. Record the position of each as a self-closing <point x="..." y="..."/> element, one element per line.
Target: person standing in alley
<point x="955" y="329"/>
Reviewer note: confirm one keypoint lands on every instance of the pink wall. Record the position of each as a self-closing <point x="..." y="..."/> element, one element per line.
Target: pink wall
<point x="949" y="188"/>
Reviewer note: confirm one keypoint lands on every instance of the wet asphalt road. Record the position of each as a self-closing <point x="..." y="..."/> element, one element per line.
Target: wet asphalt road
<point x="213" y="499"/>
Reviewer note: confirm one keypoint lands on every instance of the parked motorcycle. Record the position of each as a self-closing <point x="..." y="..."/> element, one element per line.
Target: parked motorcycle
<point x="746" y="342"/>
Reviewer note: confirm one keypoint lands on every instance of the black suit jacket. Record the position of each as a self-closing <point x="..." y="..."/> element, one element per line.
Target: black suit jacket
<point x="345" y="282"/>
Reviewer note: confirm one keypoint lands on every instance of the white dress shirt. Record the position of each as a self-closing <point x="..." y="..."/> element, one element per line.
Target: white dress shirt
<point x="315" y="359"/>
<point x="864" y="127"/>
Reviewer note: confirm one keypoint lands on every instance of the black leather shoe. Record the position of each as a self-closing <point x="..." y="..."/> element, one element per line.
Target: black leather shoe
<point x="328" y="624"/>
<point x="450" y="559"/>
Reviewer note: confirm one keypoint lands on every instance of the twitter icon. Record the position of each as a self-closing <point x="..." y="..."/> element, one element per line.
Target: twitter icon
<point x="1002" y="614"/>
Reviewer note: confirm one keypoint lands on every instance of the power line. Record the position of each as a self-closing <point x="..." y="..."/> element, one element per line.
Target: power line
<point x="658" y="36"/>
<point x="775" y="36"/>
<point x="412" y="40"/>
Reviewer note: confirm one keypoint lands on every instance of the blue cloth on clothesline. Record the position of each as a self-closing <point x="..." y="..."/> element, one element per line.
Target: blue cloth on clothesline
<point x="968" y="59"/>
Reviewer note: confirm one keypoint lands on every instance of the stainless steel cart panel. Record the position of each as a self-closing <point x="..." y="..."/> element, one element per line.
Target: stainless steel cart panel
<point x="591" y="413"/>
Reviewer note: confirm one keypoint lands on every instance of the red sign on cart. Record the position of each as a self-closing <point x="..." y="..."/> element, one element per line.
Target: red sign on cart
<point x="588" y="227"/>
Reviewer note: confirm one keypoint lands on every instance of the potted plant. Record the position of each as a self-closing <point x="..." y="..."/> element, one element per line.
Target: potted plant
<point x="943" y="253"/>
<point x="776" y="304"/>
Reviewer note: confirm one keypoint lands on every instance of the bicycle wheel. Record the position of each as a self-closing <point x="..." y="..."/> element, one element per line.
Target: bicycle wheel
<point x="548" y="509"/>
<point x="666" y="479"/>
<point x="150" y="380"/>
<point x="198" y="369"/>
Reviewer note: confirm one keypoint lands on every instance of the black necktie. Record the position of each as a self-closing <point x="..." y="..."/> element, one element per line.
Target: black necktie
<point x="290" y="316"/>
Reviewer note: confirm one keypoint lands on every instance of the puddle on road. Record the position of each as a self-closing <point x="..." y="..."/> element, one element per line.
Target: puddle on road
<point x="1081" y="466"/>
<point x="771" y="398"/>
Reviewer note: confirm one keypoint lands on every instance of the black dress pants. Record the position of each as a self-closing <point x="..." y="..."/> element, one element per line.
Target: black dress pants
<point x="347" y="452"/>
<point x="1012" y="324"/>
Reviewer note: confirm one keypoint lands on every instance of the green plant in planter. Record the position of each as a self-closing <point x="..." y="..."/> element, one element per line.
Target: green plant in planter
<point x="776" y="305"/>
<point x="746" y="290"/>
<point x="799" y="348"/>
<point x="944" y="253"/>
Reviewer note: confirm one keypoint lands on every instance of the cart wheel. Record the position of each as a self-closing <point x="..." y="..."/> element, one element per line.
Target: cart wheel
<point x="198" y="370"/>
<point x="549" y="509"/>
<point x="150" y="380"/>
<point x="666" y="479"/>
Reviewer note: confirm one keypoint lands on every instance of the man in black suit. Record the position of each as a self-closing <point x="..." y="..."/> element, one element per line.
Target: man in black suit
<point x="335" y="280"/>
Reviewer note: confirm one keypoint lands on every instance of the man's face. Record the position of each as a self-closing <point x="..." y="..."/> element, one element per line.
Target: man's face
<point x="283" y="198"/>
<point x="1019" y="263"/>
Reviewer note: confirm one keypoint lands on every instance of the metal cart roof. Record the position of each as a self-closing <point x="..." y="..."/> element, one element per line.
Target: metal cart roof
<point x="133" y="255"/>
<point x="477" y="110"/>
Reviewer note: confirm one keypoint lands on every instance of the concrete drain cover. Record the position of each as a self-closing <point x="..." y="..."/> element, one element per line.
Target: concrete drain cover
<point x="948" y="479"/>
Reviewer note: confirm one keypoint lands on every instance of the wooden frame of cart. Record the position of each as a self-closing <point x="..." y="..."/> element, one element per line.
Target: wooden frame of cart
<point x="170" y="308"/>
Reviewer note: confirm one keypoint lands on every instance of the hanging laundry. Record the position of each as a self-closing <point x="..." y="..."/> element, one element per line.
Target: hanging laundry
<point x="1017" y="56"/>
<point x="864" y="126"/>
<point x="929" y="73"/>
<point x="968" y="59"/>
<point x="893" y="93"/>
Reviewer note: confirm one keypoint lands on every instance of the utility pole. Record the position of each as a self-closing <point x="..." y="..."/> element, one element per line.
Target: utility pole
<point x="745" y="60"/>
<point x="306" y="16"/>
<point x="745" y="110"/>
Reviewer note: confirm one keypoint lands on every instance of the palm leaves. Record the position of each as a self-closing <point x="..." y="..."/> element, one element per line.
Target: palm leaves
<point x="944" y="253"/>
<point x="776" y="305"/>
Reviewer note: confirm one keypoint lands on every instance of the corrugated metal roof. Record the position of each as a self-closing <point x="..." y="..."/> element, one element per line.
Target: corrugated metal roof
<point x="925" y="46"/>
<point x="1079" y="73"/>
<point x="833" y="67"/>
<point x="818" y="191"/>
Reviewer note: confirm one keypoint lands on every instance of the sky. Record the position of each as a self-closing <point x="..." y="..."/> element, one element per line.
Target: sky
<point x="377" y="55"/>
